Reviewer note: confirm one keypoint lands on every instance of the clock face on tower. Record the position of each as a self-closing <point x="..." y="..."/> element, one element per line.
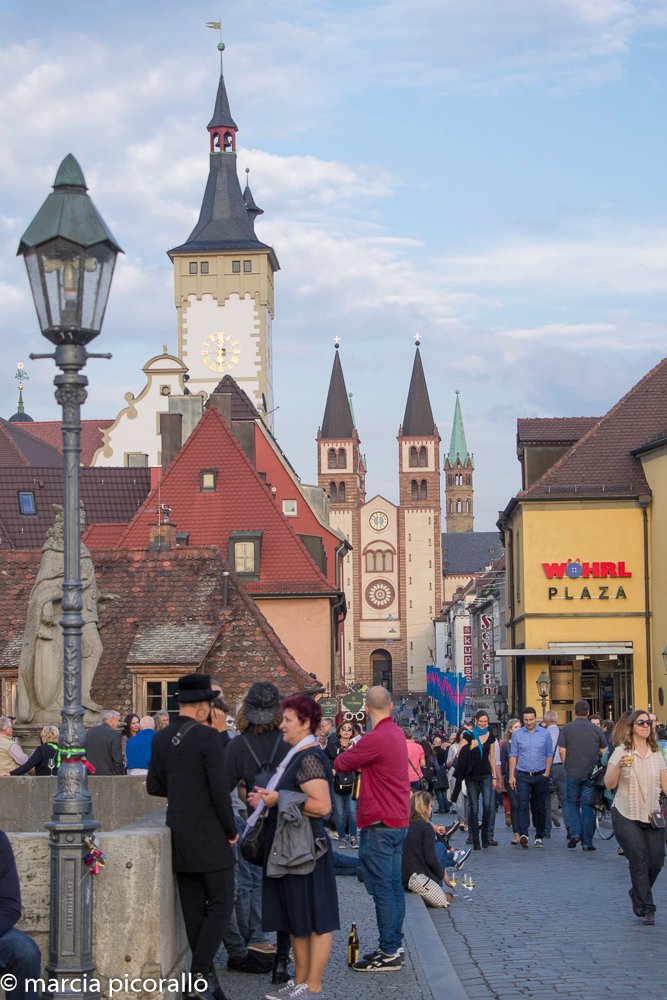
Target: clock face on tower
<point x="380" y="594"/>
<point x="378" y="520"/>
<point x="220" y="352"/>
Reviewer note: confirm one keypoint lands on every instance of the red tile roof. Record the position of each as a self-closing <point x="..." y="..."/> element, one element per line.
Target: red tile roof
<point x="108" y="495"/>
<point x="169" y="595"/>
<point x="50" y="431"/>
<point x="241" y="502"/>
<point x="601" y="462"/>
<point x="552" y="430"/>
<point x="19" y="448"/>
<point x="103" y="536"/>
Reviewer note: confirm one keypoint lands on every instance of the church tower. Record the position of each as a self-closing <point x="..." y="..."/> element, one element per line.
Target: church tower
<point x="419" y="531"/>
<point x="458" y="483"/>
<point x="223" y="278"/>
<point x="341" y="473"/>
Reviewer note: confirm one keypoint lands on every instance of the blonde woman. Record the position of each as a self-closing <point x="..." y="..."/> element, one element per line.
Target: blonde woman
<point x="638" y="772"/>
<point x="422" y="853"/>
<point x="45" y="758"/>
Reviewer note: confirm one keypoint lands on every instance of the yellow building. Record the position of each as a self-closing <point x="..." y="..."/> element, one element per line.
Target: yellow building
<point x="586" y="541"/>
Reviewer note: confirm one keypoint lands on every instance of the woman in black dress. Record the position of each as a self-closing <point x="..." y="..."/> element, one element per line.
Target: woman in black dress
<point x="304" y="905"/>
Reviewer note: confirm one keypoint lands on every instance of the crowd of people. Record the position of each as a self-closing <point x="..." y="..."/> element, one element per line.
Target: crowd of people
<point x="265" y="813"/>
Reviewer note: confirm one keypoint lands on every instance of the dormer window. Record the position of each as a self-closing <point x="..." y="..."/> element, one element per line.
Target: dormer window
<point x="27" y="502"/>
<point x="244" y="553"/>
<point x="208" y="480"/>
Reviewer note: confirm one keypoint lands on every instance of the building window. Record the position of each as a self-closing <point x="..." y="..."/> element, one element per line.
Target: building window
<point x="193" y="267"/>
<point x="388" y="561"/>
<point x="467" y="506"/>
<point x="208" y="480"/>
<point x="342" y="458"/>
<point x="136" y="460"/>
<point x="370" y="562"/>
<point x="341" y="493"/>
<point x="236" y="267"/>
<point x="451" y="506"/>
<point x="414" y="490"/>
<point x="27" y="503"/>
<point x="459" y="507"/>
<point x="422" y="457"/>
<point x="423" y="490"/>
<point x="159" y="695"/>
<point x="333" y="491"/>
<point x="244" y="553"/>
<point x="247" y="266"/>
<point x="414" y="458"/>
<point x="332" y="459"/>
<point x="289" y="508"/>
<point x="8" y="685"/>
<point x="203" y="267"/>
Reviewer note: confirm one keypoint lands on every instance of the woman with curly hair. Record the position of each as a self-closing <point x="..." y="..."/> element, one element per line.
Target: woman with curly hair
<point x="638" y="772"/>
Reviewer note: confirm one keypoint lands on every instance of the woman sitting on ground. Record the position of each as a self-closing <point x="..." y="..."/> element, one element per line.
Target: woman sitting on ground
<point x="423" y="854"/>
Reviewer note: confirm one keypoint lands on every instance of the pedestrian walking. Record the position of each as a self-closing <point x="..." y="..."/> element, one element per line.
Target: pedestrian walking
<point x="510" y="799"/>
<point x="638" y="772"/>
<point x="531" y="754"/>
<point x="187" y="769"/>
<point x="476" y="765"/>
<point x="345" y="805"/>
<point x="581" y="744"/>
<point x="556" y="787"/>
<point x="383" y="816"/>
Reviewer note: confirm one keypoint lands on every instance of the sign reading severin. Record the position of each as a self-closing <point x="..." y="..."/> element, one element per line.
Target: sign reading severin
<point x="575" y="569"/>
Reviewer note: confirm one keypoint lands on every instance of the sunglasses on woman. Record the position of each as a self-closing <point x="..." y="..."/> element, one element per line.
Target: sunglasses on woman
<point x="642" y="722"/>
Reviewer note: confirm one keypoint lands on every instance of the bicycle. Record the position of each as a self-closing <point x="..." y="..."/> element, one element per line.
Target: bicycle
<point x="603" y="824"/>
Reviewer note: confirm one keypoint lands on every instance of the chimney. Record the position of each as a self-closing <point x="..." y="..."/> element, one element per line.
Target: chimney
<point x="171" y="432"/>
<point x="222" y="402"/>
<point x="162" y="535"/>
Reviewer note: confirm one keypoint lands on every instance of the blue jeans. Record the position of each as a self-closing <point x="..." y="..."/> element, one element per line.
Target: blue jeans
<point x="557" y="783"/>
<point x="445" y="857"/>
<point x="483" y="787"/>
<point x="531" y="793"/>
<point x="20" y="956"/>
<point x="580" y="813"/>
<point x="380" y="855"/>
<point x="345" y="812"/>
<point x="248" y="894"/>
<point x="443" y="804"/>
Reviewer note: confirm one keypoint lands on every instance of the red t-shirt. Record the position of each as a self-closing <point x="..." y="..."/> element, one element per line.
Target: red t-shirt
<point x="382" y="758"/>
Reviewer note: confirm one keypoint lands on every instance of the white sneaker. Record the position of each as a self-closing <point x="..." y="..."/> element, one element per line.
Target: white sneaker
<point x="353" y="842"/>
<point x="342" y="844"/>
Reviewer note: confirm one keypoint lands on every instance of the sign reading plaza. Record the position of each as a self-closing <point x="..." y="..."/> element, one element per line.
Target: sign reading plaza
<point x="575" y="569"/>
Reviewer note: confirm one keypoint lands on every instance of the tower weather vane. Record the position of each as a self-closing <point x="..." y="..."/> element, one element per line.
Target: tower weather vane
<point x="217" y="26"/>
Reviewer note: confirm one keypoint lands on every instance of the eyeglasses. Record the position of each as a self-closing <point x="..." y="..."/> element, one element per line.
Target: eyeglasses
<point x="642" y="722"/>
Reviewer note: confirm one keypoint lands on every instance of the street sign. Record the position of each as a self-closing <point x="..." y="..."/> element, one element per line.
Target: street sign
<point x="329" y="707"/>
<point x="353" y="702"/>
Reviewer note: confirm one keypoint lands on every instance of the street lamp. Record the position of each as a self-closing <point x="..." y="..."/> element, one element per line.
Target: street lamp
<point x="70" y="256"/>
<point x="500" y="705"/>
<point x="543" y="688"/>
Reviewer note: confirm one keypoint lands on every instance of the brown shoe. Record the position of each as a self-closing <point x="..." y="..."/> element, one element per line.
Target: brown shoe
<point x="508" y="819"/>
<point x="515" y="839"/>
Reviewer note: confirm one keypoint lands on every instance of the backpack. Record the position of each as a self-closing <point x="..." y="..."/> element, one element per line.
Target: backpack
<point x="266" y="769"/>
<point x="598" y="790"/>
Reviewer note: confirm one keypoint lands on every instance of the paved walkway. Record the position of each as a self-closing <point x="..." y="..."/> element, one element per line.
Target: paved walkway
<point x="552" y="922"/>
<point x="341" y="982"/>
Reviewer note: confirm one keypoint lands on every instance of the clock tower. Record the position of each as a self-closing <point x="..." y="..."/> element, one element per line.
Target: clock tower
<point x="223" y="279"/>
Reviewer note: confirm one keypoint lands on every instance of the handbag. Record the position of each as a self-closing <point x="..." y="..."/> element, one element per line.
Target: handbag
<point x="429" y="890"/>
<point x="253" y="845"/>
<point x="655" y="818"/>
<point x="423" y="783"/>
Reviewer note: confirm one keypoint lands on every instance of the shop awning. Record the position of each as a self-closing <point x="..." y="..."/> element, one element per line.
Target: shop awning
<point x="592" y="649"/>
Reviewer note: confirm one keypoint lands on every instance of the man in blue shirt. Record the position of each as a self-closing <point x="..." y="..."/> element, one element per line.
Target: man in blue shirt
<point x="531" y="754"/>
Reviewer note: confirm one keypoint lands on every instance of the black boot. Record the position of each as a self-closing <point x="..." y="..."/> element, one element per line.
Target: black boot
<point x="476" y="845"/>
<point x="280" y="973"/>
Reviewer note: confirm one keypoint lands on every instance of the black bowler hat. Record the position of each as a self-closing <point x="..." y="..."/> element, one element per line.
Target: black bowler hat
<point x="195" y="687"/>
<point x="261" y="703"/>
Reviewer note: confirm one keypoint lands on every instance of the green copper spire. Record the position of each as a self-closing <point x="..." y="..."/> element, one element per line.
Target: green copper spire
<point x="458" y="447"/>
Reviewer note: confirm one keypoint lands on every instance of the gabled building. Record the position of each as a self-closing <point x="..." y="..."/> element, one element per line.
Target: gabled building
<point x="211" y="495"/>
<point x="585" y="547"/>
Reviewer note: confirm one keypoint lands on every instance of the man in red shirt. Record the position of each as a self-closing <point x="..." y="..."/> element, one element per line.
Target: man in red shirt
<point x="383" y="816"/>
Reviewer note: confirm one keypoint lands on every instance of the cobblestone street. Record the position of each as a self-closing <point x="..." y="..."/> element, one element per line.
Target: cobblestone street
<point x="552" y="922"/>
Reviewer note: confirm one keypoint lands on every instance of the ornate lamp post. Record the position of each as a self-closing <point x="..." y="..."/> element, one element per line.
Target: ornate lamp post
<point x="543" y="688"/>
<point x="70" y="256"/>
<point x="500" y="705"/>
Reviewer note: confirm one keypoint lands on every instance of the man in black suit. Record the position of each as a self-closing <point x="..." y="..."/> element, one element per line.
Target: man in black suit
<point x="103" y="746"/>
<point x="187" y="767"/>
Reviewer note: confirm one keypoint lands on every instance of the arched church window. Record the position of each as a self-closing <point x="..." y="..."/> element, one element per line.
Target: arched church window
<point x="333" y="491"/>
<point x="459" y="507"/>
<point x="451" y="506"/>
<point x="423" y="458"/>
<point x="414" y="490"/>
<point x="423" y="490"/>
<point x="342" y="458"/>
<point x="414" y="458"/>
<point x="467" y="506"/>
<point x="216" y="140"/>
<point x="341" y="493"/>
<point x="332" y="459"/>
<point x="229" y="142"/>
<point x="370" y="562"/>
<point x="388" y="561"/>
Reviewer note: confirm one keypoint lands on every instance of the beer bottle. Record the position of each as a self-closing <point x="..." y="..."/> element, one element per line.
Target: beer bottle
<point x="352" y="946"/>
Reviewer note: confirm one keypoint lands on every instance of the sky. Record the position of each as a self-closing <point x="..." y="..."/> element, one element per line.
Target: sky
<point x="488" y="173"/>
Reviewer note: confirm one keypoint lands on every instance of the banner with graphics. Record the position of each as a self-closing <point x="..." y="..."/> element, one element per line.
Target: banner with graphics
<point x="449" y="690"/>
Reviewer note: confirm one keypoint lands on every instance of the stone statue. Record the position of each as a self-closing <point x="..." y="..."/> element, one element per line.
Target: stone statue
<point x="40" y="681"/>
